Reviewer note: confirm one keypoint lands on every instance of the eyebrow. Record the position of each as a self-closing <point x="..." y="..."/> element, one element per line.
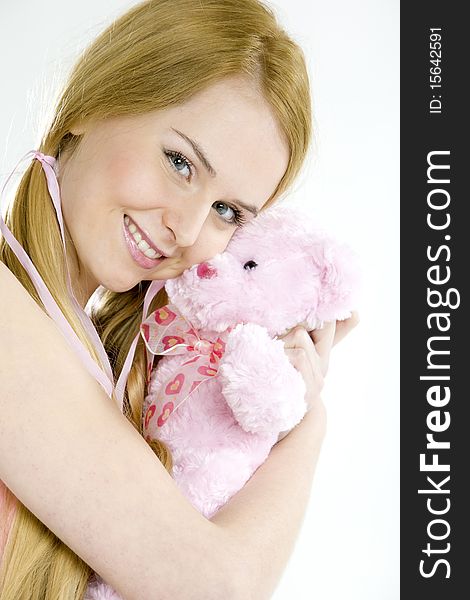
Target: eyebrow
<point x="212" y="172"/>
<point x="198" y="151"/>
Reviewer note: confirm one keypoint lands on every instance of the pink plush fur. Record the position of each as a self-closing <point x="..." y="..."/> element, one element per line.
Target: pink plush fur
<point x="278" y="271"/>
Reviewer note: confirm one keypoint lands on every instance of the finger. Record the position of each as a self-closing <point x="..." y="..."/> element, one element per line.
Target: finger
<point x="345" y="326"/>
<point x="323" y="340"/>
<point x="306" y="360"/>
<point x="297" y="337"/>
<point x="323" y="337"/>
<point x="318" y="351"/>
<point x="310" y="370"/>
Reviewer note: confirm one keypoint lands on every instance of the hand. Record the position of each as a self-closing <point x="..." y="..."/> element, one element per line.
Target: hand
<point x="324" y="341"/>
<point x="309" y="353"/>
<point x="344" y="327"/>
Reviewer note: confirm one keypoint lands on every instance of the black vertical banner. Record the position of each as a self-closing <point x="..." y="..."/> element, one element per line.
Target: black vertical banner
<point x="435" y="268"/>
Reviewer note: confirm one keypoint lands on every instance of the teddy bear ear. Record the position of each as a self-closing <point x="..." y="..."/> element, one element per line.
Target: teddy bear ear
<point x="339" y="281"/>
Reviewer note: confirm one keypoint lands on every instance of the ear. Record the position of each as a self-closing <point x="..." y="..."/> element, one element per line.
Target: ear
<point x="78" y="127"/>
<point x="339" y="278"/>
<point x="76" y="130"/>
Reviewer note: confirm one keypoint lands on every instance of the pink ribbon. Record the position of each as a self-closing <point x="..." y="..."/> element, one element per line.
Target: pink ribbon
<point x="167" y="332"/>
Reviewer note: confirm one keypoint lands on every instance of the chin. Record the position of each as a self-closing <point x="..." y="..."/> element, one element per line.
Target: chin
<point x="119" y="289"/>
<point x="117" y="284"/>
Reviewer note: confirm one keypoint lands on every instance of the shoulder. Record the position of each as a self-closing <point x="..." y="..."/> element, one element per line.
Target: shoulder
<point x="19" y="314"/>
<point x="5" y="275"/>
<point x="14" y="297"/>
<point x="23" y="323"/>
<point x="10" y="286"/>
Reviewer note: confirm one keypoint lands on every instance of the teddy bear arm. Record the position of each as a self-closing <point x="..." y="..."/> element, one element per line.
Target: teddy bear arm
<point x="264" y="391"/>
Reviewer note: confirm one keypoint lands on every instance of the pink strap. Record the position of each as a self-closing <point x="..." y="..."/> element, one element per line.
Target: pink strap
<point x="105" y="378"/>
<point x="153" y="288"/>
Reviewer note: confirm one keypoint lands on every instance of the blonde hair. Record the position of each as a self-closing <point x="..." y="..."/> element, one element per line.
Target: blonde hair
<point x="156" y="55"/>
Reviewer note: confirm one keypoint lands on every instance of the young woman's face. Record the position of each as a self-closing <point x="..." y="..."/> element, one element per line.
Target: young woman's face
<point x="185" y="178"/>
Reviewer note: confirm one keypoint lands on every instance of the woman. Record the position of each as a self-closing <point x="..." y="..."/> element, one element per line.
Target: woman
<point x="184" y="119"/>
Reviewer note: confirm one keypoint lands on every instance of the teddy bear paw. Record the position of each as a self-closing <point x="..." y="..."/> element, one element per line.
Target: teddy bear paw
<point x="264" y="390"/>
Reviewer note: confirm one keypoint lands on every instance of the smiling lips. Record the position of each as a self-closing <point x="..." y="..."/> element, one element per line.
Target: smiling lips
<point x="144" y="243"/>
<point x="140" y="247"/>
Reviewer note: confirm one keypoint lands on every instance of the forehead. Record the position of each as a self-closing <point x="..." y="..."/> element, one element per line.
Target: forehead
<point x="240" y="135"/>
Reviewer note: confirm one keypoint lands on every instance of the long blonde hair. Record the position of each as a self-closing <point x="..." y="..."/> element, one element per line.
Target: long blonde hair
<point x="156" y="55"/>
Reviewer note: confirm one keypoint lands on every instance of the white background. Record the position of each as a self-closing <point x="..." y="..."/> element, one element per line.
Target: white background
<point x="348" y="546"/>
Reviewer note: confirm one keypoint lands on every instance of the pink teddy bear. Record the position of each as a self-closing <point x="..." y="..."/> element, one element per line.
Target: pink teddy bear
<point x="225" y="389"/>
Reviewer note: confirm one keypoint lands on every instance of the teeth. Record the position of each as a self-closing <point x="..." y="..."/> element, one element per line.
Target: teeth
<point x="151" y="253"/>
<point x="141" y="244"/>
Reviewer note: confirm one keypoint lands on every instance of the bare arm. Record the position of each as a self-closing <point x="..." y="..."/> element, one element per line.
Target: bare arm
<point x="264" y="518"/>
<point x="72" y="458"/>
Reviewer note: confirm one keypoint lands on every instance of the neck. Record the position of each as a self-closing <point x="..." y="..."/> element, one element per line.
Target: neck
<point x="82" y="285"/>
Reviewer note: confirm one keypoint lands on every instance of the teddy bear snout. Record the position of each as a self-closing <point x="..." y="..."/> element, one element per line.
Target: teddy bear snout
<point x="206" y="271"/>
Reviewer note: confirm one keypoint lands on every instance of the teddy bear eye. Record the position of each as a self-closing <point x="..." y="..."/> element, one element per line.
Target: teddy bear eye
<point x="250" y="265"/>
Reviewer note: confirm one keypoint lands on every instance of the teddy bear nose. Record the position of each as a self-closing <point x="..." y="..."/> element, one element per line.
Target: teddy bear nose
<point x="205" y="271"/>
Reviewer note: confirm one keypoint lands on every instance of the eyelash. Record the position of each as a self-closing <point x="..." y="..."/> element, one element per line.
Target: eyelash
<point x="172" y="154"/>
<point x="238" y="219"/>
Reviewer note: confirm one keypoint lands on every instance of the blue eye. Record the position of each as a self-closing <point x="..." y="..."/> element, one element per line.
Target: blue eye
<point x="180" y="163"/>
<point x="230" y="214"/>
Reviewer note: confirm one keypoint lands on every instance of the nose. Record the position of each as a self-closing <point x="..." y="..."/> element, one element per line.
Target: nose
<point x="185" y="222"/>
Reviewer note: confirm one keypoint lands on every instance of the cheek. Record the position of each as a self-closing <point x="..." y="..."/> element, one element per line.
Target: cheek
<point x="137" y="186"/>
<point x="212" y="240"/>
